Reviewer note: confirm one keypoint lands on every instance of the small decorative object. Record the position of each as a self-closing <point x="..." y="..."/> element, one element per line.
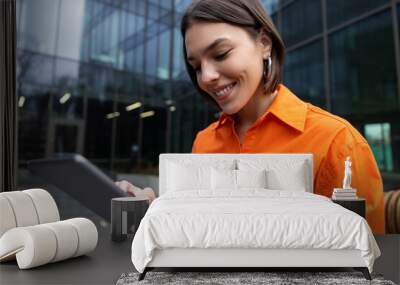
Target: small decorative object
<point x="347" y="173"/>
<point x="126" y="214"/>
<point x="345" y="193"/>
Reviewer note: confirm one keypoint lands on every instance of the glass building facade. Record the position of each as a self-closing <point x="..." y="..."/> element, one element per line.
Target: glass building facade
<point x="106" y="78"/>
<point x="344" y="56"/>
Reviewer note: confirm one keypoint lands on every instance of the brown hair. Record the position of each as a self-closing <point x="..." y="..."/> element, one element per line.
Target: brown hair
<point x="247" y="14"/>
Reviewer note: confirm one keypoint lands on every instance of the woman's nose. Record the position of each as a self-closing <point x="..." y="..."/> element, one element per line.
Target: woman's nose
<point x="208" y="75"/>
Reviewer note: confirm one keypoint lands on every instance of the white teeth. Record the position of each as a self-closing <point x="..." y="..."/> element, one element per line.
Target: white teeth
<point x="225" y="90"/>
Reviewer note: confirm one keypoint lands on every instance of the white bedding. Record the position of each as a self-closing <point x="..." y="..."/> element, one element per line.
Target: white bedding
<point x="251" y="218"/>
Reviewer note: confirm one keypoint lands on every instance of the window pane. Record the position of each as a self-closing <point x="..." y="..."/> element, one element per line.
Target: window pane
<point x="68" y="97"/>
<point x="71" y="29"/>
<point x="127" y="133"/>
<point x="152" y="10"/>
<point x="362" y="79"/>
<point x="164" y="49"/>
<point x="135" y="6"/>
<point x="139" y="58"/>
<point x="99" y="128"/>
<point x="81" y="60"/>
<point x="301" y="20"/>
<point x="181" y="5"/>
<point x="36" y="31"/>
<point x="67" y="73"/>
<point x="153" y="137"/>
<point x="32" y="120"/>
<point x="304" y="73"/>
<point x="185" y="121"/>
<point x="65" y="138"/>
<point x="19" y="5"/>
<point x="270" y="5"/>
<point x="151" y="57"/>
<point x="34" y="68"/>
<point x="179" y="65"/>
<point x="378" y="137"/>
<point x="339" y="11"/>
<point x="167" y="4"/>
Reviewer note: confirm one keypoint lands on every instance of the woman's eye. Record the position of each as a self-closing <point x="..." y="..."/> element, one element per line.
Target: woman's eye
<point x="221" y="56"/>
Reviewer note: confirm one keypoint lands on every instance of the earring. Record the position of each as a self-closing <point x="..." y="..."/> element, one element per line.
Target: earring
<point x="269" y="59"/>
<point x="267" y="68"/>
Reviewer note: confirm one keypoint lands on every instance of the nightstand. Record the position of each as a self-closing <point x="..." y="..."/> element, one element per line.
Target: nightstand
<point x="126" y="214"/>
<point x="355" y="205"/>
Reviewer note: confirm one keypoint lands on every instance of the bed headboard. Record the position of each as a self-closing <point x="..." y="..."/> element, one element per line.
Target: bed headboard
<point x="276" y="161"/>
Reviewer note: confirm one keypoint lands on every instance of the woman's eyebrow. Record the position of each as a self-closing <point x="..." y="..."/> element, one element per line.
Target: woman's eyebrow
<point x="209" y="47"/>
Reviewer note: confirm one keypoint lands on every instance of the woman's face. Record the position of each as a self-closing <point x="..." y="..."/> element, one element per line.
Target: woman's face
<point x="228" y="62"/>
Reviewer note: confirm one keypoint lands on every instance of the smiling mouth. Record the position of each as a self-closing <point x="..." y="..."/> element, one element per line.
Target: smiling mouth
<point x="224" y="92"/>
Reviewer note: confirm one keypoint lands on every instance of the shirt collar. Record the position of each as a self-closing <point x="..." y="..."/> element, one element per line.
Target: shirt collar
<point x="287" y="107"/>
<point x="223" y="118"/>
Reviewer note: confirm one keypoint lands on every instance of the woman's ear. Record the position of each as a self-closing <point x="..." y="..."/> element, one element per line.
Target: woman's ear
<point x="266" y="43"/>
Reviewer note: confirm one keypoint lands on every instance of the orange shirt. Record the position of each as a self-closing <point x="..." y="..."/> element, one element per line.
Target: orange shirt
<point x="293" y="126"/>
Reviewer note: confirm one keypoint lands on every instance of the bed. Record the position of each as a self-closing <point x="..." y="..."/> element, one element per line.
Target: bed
<point x="245" y="211"/>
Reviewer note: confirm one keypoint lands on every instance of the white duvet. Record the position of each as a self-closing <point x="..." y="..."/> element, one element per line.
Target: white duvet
<point x="253" y="218"/>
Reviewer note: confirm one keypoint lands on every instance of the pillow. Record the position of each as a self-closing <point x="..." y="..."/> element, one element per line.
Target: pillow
<point x="181" y="177"/>
<point x="281" y="174"/>
<point x="223" y="179"/>
<point x="236" y="179"/>
<point x="292" y="180"/>
<point x="190" y="174"/>
<point x="251" y="178"/>
<point x="290" y="176"/>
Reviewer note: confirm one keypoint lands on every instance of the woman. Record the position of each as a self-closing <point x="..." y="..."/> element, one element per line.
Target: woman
<point x="234" y="56"/>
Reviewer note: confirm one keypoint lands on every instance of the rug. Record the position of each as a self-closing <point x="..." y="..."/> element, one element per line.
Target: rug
<point x="243" y="278"/>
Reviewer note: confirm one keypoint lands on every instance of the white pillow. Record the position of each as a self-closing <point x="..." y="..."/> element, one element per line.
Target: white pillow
<point x="223" y="179"/>
<point x="282" y="174"/>
<point x="236" y="179"/>
<point x="251" y="178"/>
<point x="181" y="177"/>
<point x="193" y="174"/>
<point x="292" y="179"/>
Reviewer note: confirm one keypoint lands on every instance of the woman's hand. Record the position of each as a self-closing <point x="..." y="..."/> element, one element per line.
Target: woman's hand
<point x="134" y="191"/>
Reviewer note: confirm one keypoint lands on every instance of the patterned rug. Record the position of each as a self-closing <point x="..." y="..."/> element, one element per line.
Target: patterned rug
<point x="230" y="278"/>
